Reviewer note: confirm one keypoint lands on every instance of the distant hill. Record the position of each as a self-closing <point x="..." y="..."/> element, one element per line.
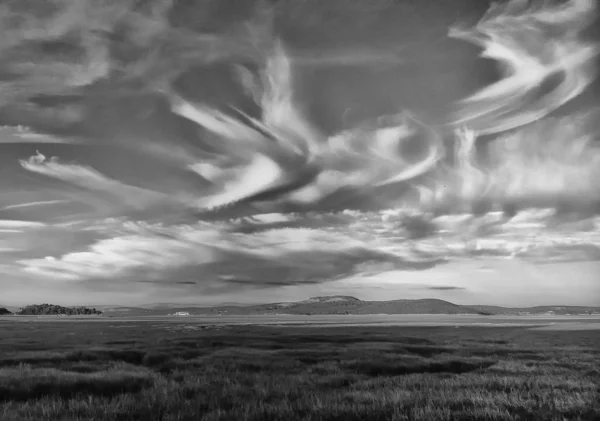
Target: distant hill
<point x="5" y="312"/>
<point x="539" y="310"/>
<point x="52" y="309"/>
<point x="11" y="309"/>
<point x="339" y="304"/>
<point x="316" y="305"/>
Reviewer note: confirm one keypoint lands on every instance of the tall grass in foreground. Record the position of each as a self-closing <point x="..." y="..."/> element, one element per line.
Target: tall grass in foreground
<point x="114" y="371"/>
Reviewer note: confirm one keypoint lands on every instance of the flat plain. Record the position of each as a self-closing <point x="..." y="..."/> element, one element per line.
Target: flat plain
<point x="334" y="368"/>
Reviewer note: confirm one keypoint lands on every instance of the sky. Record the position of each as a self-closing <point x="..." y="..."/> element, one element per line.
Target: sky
<point x="226" y="151"/>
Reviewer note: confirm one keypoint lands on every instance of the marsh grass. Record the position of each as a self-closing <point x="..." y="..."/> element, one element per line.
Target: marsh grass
<point x="103" y="371"/>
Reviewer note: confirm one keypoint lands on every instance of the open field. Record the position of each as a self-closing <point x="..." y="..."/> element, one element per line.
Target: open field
<point x="120" y="369"/>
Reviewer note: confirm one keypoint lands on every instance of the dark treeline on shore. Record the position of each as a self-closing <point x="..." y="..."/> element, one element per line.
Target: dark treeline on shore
<point x="52" y="309"/>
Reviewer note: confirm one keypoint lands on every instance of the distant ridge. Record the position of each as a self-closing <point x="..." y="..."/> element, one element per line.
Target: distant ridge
<point x="341" y="304"/>
<point x="9" y="309"/>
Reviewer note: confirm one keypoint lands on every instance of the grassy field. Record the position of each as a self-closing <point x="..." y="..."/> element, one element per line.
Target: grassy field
<point x="173" y="371"/>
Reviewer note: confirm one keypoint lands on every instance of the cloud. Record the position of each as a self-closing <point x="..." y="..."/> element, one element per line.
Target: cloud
<point x="55" y="58"/>
<point x="261" y="252"/>
<point x="544" y="59"/>
<point x="444" y="288"/>
<point x="111" y="70"/>
<point x="287" y="157"/>
<point x="21" y="134"/>
<point x="33" y="204"/>
<point x="53" y="49"/>
<point x="18" y="225"/>
<point x="224" y="258"/>
<point x="210" y="257"/>
<point x="109" y="196"/>
<point x="28" y="240"/>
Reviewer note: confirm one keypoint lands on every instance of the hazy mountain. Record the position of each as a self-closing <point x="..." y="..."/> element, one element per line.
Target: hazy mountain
<point x="559" y="310"/>
<point x="348" y="305"/>
<point x="10" y="309"/>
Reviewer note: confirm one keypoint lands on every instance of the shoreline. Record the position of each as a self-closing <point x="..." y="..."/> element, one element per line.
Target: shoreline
<point x="538" y="322"/>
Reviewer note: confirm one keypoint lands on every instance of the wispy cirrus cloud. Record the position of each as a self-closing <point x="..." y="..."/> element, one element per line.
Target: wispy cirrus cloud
<point x="8" y="224"/>
<point x="21" y="134"/>
<point x="546" y="61"/>
<point x="108" y="196"/>
<point x="55" y="57"/>
<point x="32" y="204"/>
<point x="65" y="45"/>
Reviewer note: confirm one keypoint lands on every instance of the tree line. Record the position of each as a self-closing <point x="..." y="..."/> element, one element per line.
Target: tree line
<point x="53" y="309"/>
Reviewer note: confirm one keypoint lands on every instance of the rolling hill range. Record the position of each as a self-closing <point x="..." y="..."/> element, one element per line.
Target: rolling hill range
<point x="346" y="305"/>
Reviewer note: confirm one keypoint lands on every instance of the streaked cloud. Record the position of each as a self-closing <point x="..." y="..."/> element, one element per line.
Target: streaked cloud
<point x="33" y="204"/>
<point x="173" y="150"/>
<point x="19" y="224"/>
<point x="210" y="256"/>
<point x="20" y="134"/>
<point x="108" y="196"/>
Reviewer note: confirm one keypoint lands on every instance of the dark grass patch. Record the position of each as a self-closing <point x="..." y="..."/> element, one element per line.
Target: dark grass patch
<point x="337" y="381"/>
<point x="37" y="360"/>
<point x="26" y="384"/>
<point x="131" y="356"/>
<point x="425" y="351"/>
<point x="494" y="341"/>
<point x="507" y="352"/>
<point x="391" y="368"/>
<point x="155" y="359"/>
<point x="266" y="366"/>
<point x="121" y="342"/>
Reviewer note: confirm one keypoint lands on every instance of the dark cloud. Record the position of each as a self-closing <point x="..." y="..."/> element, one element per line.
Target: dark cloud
<point x="444" y="288"/>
